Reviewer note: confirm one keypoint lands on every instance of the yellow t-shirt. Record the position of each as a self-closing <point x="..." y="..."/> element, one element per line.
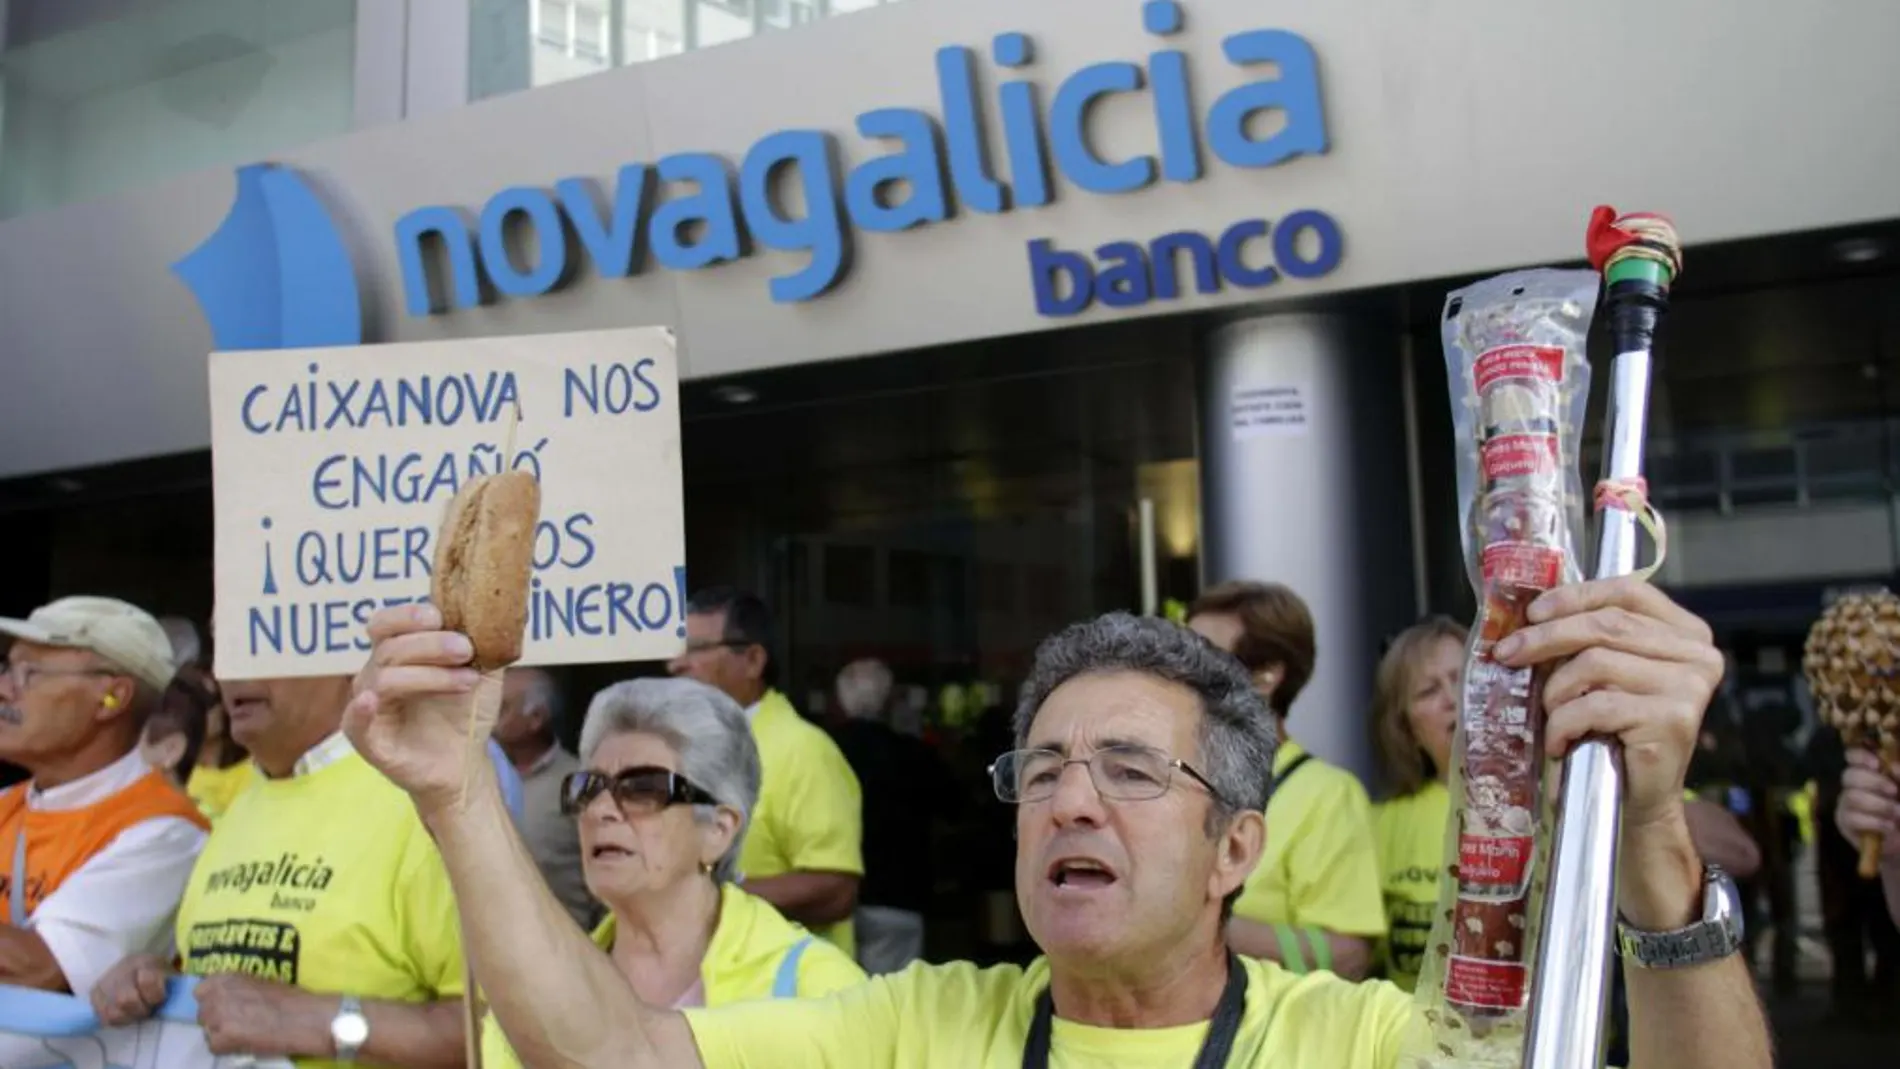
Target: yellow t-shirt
<point x="1411" y="836"/>
<point x="214" y="789"/>
<point x="755" y="953"/>
<point x="809" y="816"/>
<point x="326" y="880"/>
<point x="962" y="1017"/>
<point x="1319" y="869"/>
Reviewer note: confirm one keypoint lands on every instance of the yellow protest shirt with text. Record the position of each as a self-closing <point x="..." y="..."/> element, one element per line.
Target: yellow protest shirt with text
<point x="754" y="953"/>
<point x="962" y="1017"/>
<point x="1319" y="869"/>
<point x="328" y="881"/>
<point x="809" y="817"/>
<point x="1410" y="831"/>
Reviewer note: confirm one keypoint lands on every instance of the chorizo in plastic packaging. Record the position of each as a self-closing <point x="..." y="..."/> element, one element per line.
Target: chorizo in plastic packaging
<point x="1520" y="383"/>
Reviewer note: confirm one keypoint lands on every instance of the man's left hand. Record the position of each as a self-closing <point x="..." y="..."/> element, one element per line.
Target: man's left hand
<point x="1636" y="666"/>
<point x="243" y="1015"/>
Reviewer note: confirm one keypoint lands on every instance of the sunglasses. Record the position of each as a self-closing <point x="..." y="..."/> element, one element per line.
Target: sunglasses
<point x="639" y="790"/>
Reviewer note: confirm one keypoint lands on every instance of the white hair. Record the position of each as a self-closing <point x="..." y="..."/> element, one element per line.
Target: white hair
<point x="704" y="726"/>
<point x="864" y="689"/>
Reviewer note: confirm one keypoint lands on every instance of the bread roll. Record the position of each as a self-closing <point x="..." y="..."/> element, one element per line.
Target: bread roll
<point x="484" y="559"/>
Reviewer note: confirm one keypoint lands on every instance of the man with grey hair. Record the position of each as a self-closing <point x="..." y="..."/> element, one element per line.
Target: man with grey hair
<point x="1139" y="773"/>
<point x="96" y="849"/>
<point x="525" y="730"/>
<point x="907" y="789"/>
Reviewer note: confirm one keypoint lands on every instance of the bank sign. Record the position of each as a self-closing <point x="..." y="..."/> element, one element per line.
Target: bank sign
<point x="696" y="210"/>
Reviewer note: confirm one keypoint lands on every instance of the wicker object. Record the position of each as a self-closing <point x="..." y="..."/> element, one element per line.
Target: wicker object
<point x="1852" y="662"/>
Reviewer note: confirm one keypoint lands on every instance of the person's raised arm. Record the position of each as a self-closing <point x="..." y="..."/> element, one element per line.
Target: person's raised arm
<point x="1636" y="666"/>
<point x="557" y="998"/>
<point x="1868" y="804"/>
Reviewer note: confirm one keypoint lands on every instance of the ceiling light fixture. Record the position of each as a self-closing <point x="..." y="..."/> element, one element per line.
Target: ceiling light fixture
<point x="1859" y="250"/>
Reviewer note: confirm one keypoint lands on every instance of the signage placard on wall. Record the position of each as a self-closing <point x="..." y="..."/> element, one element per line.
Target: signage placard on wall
<point x="691" y="211"/>
<point x="332" y="469"/>
<point x="1269" y="410"/>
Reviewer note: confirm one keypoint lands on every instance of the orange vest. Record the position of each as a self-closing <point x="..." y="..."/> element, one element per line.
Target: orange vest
<point x="59" y="841"/>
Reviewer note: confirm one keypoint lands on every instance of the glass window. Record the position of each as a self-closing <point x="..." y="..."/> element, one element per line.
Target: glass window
<point x="572" y="38"/>
<point x="90" y="106"/>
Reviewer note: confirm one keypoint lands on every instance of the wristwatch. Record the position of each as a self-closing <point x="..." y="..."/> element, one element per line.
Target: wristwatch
<point x="349" y="1029"/>
<point x="1717" y="935"/>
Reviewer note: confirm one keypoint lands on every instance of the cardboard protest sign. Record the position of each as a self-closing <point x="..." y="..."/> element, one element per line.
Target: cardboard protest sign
<point x="332" y="469"/>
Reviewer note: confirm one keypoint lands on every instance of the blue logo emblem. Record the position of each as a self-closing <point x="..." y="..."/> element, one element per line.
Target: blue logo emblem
<point x="275" y="274"/>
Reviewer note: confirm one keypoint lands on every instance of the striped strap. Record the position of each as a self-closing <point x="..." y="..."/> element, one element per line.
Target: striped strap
<point x="785" y="985"/>
<point x="1322" y="948"/>
<point x="1293" y="948"/>
<point x="1290" y="954"/>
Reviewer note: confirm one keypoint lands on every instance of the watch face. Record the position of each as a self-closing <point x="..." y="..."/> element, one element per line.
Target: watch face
<point x="350" y="1030"/>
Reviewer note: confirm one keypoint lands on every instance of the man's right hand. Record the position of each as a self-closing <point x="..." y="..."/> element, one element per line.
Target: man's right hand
<point x="130" y="991"/>
<point x="1869" y="804"/>
<point x="415" y="699"/>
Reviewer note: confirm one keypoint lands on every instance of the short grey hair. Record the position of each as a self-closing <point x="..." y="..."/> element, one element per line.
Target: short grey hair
<point x="864" y="688"/>
<point x="1238" y="738"/>
<point x="705" y="727"/>
<point x="539" y="690"/>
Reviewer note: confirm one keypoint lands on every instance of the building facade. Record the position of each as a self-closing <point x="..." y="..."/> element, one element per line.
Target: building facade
<point x="975" y="299"/>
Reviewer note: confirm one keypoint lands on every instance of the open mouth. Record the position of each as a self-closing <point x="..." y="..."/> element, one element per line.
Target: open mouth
<point x="10" y="715"/>
<point x="609" y="853"/>
<point x="1080" y="873"/>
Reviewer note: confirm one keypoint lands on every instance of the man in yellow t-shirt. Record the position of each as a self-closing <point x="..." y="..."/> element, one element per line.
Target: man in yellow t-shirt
<point x="1314" y="900"/>
<point x="319" y="913"/>
<point x="1139" y="776"/>
<point x="804" y="847"/>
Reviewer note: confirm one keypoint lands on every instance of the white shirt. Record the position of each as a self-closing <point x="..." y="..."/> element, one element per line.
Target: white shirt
<point x="123" y="900"/>
<point x="333" y="748"/>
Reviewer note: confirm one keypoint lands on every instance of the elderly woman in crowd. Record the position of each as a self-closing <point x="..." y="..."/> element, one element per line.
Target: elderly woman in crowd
<point x="669" y="778"/>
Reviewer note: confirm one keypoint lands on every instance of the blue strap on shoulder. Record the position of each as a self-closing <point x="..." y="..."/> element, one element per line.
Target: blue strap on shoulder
<point x="786" y="984"/>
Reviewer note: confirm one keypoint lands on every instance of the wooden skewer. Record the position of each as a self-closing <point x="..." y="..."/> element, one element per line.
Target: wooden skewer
<point x="1871" y="842"/>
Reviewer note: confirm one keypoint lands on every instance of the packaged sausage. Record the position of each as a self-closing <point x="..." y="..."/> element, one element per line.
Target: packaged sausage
<point x="1520" y="384"/>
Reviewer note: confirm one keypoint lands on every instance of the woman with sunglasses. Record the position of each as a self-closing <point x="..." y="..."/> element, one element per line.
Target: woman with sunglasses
<point x="669" y="777"/>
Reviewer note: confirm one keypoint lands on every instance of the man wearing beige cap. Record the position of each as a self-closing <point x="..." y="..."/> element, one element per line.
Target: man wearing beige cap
<point x="96" y="847"/>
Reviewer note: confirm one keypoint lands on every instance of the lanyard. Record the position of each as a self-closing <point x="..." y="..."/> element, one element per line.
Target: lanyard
<point x="1221" y="1031"/>
<point x="16" y="890"/>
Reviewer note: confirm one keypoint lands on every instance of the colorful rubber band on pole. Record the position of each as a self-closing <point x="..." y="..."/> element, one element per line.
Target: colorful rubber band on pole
<point x="1632" y="495"/>
<point x="1635" y="245"/>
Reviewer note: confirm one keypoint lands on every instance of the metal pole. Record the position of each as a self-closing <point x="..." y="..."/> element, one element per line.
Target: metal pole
<point x="1570" y="993"/>
<point x="1570" y="996"/>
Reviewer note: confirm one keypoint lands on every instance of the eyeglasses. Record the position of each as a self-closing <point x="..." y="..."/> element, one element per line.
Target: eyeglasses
<point x="1123" y="772"/>
<point x="637" y="791"/>
<point x="22" y="675"/>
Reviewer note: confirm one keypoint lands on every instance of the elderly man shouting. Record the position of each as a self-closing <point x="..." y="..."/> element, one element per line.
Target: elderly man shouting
<point x="1140" y="769"/>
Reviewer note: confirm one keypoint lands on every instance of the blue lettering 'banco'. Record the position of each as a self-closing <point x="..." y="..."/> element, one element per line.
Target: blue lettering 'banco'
<point x="694" y="210"/>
